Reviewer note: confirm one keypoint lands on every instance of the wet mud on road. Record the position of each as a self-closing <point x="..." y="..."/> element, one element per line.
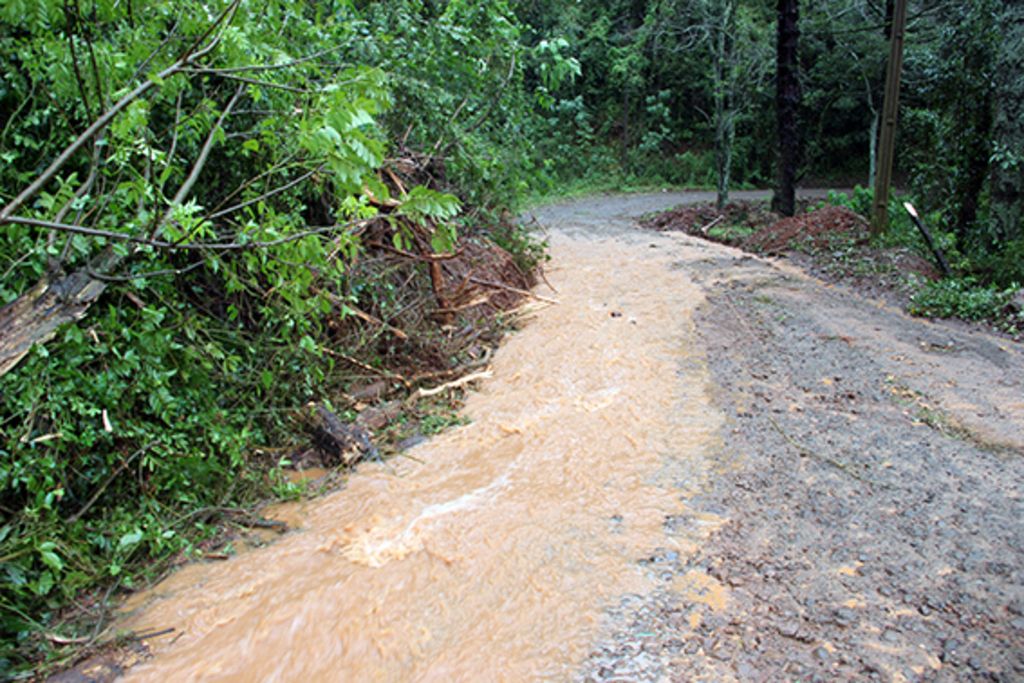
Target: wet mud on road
<point x="871" y="480"/>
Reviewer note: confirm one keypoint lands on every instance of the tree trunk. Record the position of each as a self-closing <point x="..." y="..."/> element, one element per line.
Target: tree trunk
<point x="338" y="443"/>
<point x="1008" y="127"/>
<point x="724" y="114"/>
<point x="978" y="125"/>
<point x="876" y="117"/>
<point x="787" y="102"/>
<point x="725" y="135"/>
<point x="625" y="129"/>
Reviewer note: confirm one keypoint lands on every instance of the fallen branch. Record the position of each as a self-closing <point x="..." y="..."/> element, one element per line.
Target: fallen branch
<point x="469" y="304"/>
<point x="336" y="440"/>
<point x="704" y="229"/>
<point x="939" y="256"/>
<point x="349" y="308"/>
<point x="369" y="368"/>
<point x="454" y="371"/>
<point x="426" y="258"/>
<point x="544" y="277"/>
<point x="149" y="633"/>
<point x="124" y="465"/>
<point x="524" y="292"/>
<point x="254" y="523"/>
<point x="422" y="393"/>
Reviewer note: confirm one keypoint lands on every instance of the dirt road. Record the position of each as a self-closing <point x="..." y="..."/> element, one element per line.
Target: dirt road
<point x="871" y="479"/>
<point x="765" y="477"/>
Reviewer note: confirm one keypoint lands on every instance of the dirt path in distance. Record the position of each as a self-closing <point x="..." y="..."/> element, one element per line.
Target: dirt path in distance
<point x="871" y="474"/>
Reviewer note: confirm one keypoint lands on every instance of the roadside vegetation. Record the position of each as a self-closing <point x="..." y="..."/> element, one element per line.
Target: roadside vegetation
<point x="215" y="213"/>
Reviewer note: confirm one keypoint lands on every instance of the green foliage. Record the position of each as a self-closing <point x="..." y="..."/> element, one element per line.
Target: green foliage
<point x="456" y="76"/>
<point x="526" y="248"/>
<point x="965" y="298"/>
<point x="901" y="231"/>
<point x="657" y="80"/>
<point x="232" y="194"/>
<point x="435" y="423"/>
<point x="948" y="131"/>
<point x="1004" y="266"/>
<point x="692" y="169"/>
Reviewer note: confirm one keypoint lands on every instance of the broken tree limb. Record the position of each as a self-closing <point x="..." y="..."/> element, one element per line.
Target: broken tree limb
<point x="349" y="308"/>
<point x="461" y="307"/>
<point x="524" y="292"/>
<point x="338" y="443"/>
<point x="543" y="276"/>
<point x="124" y="465"/>
<point x="377" y="372"/>
<point x="33" y="318"/>
<point x="484" y="360"/>
<point x="704" y="229"/>
<point x="444" y="256"/>
<point x="422" y="393"/>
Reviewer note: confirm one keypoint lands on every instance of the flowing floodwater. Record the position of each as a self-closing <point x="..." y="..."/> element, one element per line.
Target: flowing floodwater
<point x="492" y="555"/>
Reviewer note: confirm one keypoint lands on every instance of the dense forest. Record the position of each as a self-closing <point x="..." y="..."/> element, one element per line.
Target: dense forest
<point x="214" y="212"/>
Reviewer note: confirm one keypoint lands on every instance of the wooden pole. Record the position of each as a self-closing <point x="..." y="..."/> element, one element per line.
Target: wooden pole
<point x="890" y="109"/>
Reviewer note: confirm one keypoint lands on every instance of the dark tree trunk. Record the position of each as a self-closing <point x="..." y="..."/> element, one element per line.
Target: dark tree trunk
<point x="787" y="101"/>
<point x="978" y="115"/>
<point x="625" y="129"/>
<point x="1008" y="127"/>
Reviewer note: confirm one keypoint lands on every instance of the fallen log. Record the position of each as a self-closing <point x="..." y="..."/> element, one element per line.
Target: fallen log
<point x="338" y="443"/>
<point x="33" y="318"/>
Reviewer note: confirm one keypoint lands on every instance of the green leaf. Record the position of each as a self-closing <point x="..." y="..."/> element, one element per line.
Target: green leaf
<point x="307" y="344"/>
<point x="45" y="583"/>
<point x="130" y="539"/>
<point x="422" y="201"/>
<point x="49" y="557"/>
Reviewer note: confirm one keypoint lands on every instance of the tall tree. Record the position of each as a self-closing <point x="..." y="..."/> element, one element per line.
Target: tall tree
<point x="890" y="111"/>
<point x="722" y="22"/>
<point x="787" y="105"/>
<point x="1008" y="129"/>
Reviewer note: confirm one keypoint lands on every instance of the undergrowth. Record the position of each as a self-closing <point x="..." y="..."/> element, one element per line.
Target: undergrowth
<point x="979" y="291"/>
<point x="967" y="299"/>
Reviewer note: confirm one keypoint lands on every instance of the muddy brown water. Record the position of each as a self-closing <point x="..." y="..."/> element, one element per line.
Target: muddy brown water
<point x="490" y="553"/>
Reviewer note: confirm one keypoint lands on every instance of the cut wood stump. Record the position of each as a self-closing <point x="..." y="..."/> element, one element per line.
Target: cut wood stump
<point x="338" y="443"/>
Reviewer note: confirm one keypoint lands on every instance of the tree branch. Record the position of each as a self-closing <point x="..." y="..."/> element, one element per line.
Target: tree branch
<point x="197" y="246"/>
<point x="265" y="195"/>
<point x="71" y="21"/>
<point x="7" y="214"/>
<point x="138" y="276"/>
<point x="274" y="67"/>
<point x="253" y="81"/>
<point x="204" y="155"/>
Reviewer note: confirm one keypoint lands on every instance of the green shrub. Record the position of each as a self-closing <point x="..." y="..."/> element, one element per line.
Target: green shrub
<point x="693" y="169"/>
<point x="962" y="298"/>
